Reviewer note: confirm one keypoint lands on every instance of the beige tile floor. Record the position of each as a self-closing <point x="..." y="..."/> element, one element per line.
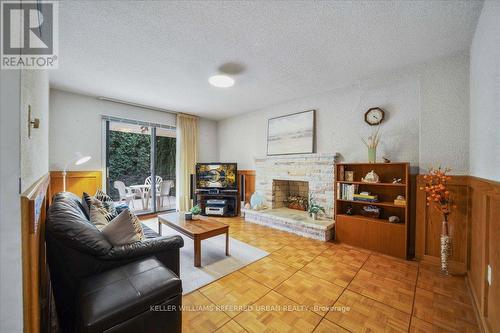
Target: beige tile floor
<point x="311" y="286"/>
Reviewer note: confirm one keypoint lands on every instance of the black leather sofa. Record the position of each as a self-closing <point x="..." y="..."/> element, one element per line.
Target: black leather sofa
<point x="101" y="288"/>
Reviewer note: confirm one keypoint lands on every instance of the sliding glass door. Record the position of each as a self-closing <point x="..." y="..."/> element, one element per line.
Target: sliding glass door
<point x="140" y="161"/>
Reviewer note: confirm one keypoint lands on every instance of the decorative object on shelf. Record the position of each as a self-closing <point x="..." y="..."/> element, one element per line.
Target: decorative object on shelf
<point x="314" y="209"/>
<point x="188" y="216"/>
<point x="394" y="219"/>
<point x="439" y="196"/>
<point x="396" y="180"/>
<point x="374" y="116"/>
<point x="386" y="160"/>
<point x="341" y="173"/>
<point x="349" y="176"/>
<point x="291" y="134"/>
<point x="400" y="200"/>
<point x="370" y="211"/>
<point x="371" y="177"/>
<point x="196" y="211"/>
<point x="371" y="143"/>
<point x="349" y="211"/>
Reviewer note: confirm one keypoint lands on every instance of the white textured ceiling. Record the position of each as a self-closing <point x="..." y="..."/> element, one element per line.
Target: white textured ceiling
<point x="161" y="53"/>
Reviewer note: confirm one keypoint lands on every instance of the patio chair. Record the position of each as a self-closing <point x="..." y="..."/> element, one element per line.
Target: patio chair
<point x="164" y="192"/>
<point x="158" y="181"/>
<point x="147" y="191"/>
<point x="125" y="192"/>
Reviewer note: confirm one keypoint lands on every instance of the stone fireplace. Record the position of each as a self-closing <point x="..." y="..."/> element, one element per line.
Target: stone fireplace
<point x="281" y="178"/>
<point x="290" y="193"/>
<point x="314" y="169"/>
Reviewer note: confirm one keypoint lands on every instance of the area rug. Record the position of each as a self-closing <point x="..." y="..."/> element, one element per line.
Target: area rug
<point x="214" y="262"/>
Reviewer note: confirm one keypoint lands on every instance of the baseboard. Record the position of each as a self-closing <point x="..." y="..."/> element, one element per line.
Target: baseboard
<point x="476" y="305"/>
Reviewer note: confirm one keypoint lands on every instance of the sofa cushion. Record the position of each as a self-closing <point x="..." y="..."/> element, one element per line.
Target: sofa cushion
<point x="121" y="230"/>
<point x="118" y="294"/>
<point x="106" y="200"/>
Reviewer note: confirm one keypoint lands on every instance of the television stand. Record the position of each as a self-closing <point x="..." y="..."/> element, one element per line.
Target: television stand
<point x="232" y="200"/>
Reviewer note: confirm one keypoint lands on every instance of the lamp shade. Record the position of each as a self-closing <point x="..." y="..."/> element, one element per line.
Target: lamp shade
<point x="81" y="159"/>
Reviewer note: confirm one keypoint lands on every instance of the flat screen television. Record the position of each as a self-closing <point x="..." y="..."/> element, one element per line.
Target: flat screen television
<point x="216" y="175"/>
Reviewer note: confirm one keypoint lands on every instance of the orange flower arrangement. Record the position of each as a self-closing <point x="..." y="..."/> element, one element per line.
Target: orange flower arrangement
<point x="437" y="191"/>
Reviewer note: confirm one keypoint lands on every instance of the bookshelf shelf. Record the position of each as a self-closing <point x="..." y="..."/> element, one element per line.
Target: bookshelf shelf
<point x="374" y="220"/>
<point x="376" y="234"/>
<point x="371" y="184"/>
<point x="379" y="203"/>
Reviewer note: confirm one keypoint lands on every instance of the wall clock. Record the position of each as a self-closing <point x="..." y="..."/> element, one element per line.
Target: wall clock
<point x="374" y="116"/>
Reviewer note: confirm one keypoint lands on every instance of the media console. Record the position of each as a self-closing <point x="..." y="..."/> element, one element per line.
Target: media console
<point x="220" y="202"/>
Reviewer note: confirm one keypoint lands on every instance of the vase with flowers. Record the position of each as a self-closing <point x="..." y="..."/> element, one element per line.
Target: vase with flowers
<point x="439" y="197"/>
<point x="371" y="143"/>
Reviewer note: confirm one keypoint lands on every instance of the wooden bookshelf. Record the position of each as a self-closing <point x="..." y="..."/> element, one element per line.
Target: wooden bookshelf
<point x="376" y="234"/>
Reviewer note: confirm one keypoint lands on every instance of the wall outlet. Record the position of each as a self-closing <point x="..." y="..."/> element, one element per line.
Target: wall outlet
<point x="488" y="274"/>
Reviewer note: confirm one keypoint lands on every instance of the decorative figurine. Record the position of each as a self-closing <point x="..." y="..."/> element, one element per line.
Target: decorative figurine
<point x="349" y="176"/>
<point x="394" y="219"/>
<point x="371" y="177"/>
<point x="349" y="210"/>
<point x="400" y="200"/>
<point x="396" y="180"/>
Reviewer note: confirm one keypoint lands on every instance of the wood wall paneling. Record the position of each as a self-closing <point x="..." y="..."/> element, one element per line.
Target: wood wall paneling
<point x="77" y="182"/>
<point x="34" y="203"/>
<point x="429" y="221"/>
<point x="249" y="183"/>
<point x="476" y="235"/>
<point x="484" y="251"/>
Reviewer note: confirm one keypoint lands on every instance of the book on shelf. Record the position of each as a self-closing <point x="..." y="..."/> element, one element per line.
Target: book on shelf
<point x="347" y="191"/>
<point x="365" y="198"/>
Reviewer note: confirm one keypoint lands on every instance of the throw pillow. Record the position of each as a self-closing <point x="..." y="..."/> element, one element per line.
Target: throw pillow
<point x="98" y="216"/>
<point x="137" y="224"/>
<point x="121" y="230"/>
<point x="106" y="200"/>
<point x="86" y="202"/>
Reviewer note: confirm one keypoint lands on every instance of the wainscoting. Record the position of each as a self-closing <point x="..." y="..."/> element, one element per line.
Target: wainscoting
<point x="76" y="182"/>
<point x="36" y="288"/>
<point x="484" y="249"/>
<point x="249" y="182"/>
<point x="428" y="226"/>
<point x="476" y="235"/>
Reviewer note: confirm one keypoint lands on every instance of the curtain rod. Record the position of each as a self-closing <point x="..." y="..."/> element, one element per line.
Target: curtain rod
<point x="119" y="101"/>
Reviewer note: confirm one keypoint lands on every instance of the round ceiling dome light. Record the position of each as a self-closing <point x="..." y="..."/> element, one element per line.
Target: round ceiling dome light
<point x="221" y="81"/>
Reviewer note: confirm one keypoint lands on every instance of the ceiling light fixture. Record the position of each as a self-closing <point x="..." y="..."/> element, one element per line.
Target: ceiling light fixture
<point x="221" y="81"/>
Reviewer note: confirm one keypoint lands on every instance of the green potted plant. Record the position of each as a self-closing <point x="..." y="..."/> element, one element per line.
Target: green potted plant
<point x="314" y="209"/>
<point x="196" y="211"/>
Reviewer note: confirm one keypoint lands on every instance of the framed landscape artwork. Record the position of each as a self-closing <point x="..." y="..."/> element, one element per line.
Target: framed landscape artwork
<point x="291" y="134"/>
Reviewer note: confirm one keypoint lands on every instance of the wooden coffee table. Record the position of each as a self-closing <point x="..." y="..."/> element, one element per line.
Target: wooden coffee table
<point x="197" y="230"/>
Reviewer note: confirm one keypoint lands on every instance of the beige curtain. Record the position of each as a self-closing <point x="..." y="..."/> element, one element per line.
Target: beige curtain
<point x="187" y="141"/>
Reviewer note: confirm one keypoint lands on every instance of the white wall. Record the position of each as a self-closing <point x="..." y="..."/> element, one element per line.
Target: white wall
<point x="485" y="95"/>
<point x="76" y="125"/>
<point x="415" y="99"/>
<point x="24" y="159"/>
<point x="34" y="150"/>
<point x="11" y="306"/>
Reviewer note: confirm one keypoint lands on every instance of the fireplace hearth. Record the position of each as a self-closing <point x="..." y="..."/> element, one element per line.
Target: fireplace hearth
<point x="292" y="194"/>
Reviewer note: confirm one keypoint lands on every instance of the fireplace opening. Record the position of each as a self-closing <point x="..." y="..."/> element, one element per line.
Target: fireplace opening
<point x="292" y="194"/>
